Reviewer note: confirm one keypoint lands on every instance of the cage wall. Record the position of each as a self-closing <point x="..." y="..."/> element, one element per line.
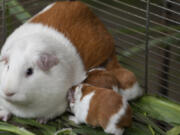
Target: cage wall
<point x="156" y="65"/>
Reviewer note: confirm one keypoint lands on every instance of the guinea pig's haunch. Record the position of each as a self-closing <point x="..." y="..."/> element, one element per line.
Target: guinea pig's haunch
<point x="100" y="77"/>
<point x="104" y="78"/>
<point x="100" y="107"/>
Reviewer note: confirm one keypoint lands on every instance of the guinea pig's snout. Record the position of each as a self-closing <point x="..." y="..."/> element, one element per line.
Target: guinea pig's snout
<point x="9" y="94"/>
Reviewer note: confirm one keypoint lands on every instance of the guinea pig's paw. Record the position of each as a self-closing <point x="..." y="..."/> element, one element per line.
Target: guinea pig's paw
<point x="74" y="119"/>
<point x="42" y="120"/>
<point x="4" y="114"/>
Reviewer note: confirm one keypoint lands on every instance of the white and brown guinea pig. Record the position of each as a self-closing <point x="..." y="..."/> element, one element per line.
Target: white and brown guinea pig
<point x="46" y="56"/>
<point x="104" y="78"/>
<point x="50" y="53"/>
<point x="99" y="107"/>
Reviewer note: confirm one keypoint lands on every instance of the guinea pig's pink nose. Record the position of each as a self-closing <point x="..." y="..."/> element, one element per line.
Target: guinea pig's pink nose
<point x="9" y="94"/>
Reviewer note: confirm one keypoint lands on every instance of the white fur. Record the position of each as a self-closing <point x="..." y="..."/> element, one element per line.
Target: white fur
<point x="81" y="107"/>
<point x="93" y="69"/>
<point x="111" y="127"/>
<point x="44" y="93"/>
<point x="4" y="114"/>
<point x="133" y="92"/>
<point x="115" y="88"/>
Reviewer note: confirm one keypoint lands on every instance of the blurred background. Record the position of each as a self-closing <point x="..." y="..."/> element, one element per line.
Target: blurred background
<point x="146" y="34"/>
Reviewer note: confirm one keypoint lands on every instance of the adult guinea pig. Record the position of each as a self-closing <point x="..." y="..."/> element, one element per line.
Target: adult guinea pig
<point x="46" y="56"/>
<point x="104" y="78"/>
<point x="99" y="107"/>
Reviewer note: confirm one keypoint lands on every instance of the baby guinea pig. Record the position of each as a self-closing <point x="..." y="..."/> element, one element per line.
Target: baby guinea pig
<point x="99" y="107"/>
<point x="100" y="77"/>
<point x="104" y="78"/>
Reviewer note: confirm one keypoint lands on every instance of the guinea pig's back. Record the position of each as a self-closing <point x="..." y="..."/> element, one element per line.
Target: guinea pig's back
<point x="77" y="22"/>
<point x="104" y="104"/>
<point x="102" y="78"/>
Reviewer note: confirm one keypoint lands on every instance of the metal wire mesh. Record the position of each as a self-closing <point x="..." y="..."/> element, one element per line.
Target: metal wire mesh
<point x="146" y="34"/>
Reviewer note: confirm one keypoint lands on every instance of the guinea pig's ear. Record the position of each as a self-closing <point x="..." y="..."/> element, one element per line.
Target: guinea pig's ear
<point x="4" y="59"/>
<point x="47" y="61"/>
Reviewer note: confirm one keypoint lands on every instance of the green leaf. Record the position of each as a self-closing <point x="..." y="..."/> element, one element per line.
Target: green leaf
<point x="69" y="122"/>
<point x="18" y="10"/>
<point x="137" y="129"/>
<point x="159" y="108"/>
<point x="145" y="119"/>
<point x="89" y="131"/>
<point x="174" y="131"/>
<point x="6" y="133"/>
<point x="46" y="129"/>
<point x="66" y="131"/>
<point x="151" y="129"/>
<point x="10" y="128"/>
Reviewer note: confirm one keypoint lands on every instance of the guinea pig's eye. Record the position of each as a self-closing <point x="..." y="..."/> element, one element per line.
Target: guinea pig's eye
<point x="29" y="71"/>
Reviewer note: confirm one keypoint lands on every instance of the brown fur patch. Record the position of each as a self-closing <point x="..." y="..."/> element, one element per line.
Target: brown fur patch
<point x="103" y="105"/>
<point x="125" y="77"/>
<point x="86" y="89"/>
<point x="113" y="62"/>
<point x="126" y="120"/>
<point x="76" y="21"/>
<point x="102" y="78"/>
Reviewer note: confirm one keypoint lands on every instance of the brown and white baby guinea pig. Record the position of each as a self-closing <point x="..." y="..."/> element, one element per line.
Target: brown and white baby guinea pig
<point x="100" y="77"/>
<point x="104" y="78"/>
<point x="99" y="107"/>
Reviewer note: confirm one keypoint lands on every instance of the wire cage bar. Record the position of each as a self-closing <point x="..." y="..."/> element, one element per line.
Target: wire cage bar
<point x="147" y="45"/>
<point x="3" y="34"/>
<point x="146" y="34"/>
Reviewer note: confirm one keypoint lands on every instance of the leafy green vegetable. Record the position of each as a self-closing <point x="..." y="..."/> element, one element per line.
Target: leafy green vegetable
<point x="159" y="108"/>
<point x="174" y="131"/>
